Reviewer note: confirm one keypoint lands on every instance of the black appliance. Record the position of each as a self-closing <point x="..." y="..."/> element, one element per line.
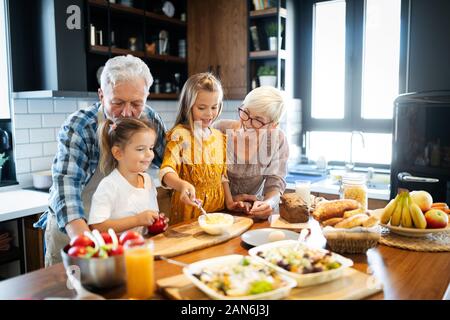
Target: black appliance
<point x="421" y="144"/>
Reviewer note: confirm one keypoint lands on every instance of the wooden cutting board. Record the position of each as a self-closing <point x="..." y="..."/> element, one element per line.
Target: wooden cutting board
<point x="189" y="237"/>
<point x="353" y="285"/>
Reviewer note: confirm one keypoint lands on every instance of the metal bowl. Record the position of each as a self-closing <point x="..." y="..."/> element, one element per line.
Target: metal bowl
<point x="97" y="273"/>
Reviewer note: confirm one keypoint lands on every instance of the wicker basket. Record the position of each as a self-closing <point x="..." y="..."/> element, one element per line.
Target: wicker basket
<point x="349" y="241"/>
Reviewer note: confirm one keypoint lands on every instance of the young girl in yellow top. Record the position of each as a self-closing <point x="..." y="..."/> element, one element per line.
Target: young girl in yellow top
<point x="194" y="162"/>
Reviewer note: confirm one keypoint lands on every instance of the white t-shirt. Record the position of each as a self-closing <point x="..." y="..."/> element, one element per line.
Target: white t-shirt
<point x="116" y="198"/>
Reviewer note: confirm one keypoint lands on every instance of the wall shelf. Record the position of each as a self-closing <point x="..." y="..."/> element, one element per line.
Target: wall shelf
<point x="265" y="13"/>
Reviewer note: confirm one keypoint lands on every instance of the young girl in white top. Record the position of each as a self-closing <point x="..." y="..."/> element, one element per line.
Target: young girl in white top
<point x="126" y="198"/>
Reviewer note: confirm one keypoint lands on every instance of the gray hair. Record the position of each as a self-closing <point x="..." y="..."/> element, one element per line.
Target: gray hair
<point x="267" y="101"/>
<point x="124" y="68"/>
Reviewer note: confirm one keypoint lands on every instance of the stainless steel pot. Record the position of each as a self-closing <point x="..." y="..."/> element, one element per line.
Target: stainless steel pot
<point x="98" y="273"/>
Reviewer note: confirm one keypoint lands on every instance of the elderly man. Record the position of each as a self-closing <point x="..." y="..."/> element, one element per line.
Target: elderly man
<point x="125" y="84"/>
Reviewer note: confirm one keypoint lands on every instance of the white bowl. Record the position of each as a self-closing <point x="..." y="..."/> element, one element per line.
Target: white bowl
<point x="230" y="260"/>
<point x="42" y="179"/>
<point x="309" y="279"/>
<point x="225" y="221"/>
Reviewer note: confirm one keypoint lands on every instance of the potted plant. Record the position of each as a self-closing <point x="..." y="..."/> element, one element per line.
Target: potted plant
<point x="2" y="162"/>
<point x="267" y="75"/>
<point x="272" y="32"/>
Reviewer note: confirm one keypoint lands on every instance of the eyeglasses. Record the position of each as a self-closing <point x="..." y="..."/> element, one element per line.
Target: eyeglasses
<point x="255" y="123"/>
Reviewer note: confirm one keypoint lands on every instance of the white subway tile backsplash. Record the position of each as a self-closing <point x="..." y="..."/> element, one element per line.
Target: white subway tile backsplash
<point x="83" y="104"/>
<point x="20" y="106"/>
<point x="41" y="135"/>
<point x="23" y="166"/>
<point x="24" y="151"/>
<point x="25" y="180"/>
<point x="40" y="106"/>
<point x="56" y="133"/>
<point x="50" y="148"/>
<point x="53" y="120"/>
<point x="28" y="121"/>
<point x="22" y="136"/>
<point x="39" y="164"/>
<point x="65" y="106"/>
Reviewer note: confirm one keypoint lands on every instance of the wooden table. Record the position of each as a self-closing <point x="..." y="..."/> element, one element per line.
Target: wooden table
<point x="404" y="274"/>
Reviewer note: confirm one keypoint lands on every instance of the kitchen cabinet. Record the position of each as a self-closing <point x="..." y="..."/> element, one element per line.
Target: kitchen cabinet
<point x="267" y="48"/>
<point x="217" y="42"/>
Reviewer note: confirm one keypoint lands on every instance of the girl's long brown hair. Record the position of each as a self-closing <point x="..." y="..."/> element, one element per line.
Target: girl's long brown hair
<point x="118" y="133"/>
<point x="200" y="81"/>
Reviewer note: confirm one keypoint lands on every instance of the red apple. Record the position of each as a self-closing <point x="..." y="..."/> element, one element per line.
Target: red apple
<point x="134" y="243"/>
<point x="436" y="219"/>
<point x="106" y="237"/>
<point x="158" y="226"/>
<point x="82" y="241"/>
<point x="116" y="251"/>
<point x="77" y="251"/>
<point x="130" y="235"/>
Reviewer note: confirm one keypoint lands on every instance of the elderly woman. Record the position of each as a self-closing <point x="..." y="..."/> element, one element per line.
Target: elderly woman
<point x="257" y="152"/>
<point x="125" y="83"/>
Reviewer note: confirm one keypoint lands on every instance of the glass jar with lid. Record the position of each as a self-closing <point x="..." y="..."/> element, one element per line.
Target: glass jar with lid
<point x="354" y="187"/>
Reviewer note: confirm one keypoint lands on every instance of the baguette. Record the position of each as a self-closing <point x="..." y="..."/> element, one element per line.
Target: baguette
<point x="372" y="221"/>
<point x="331" y="222"/>
<point x="348" y="214"/>
<point x="334" y="209"/>
<point x="353" y="221"/>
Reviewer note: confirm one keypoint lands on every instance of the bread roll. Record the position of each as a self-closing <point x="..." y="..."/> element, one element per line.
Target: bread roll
<point x="353" y="221"/>
<point x="334" y="209"/>
<point x="348" y="214"/>
<point x="372" y="221"/>
<point x="331" y="222"/>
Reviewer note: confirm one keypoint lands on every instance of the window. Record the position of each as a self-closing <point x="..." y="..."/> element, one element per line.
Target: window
<point x="355" y="58"/>
<point x="4" y="75"/>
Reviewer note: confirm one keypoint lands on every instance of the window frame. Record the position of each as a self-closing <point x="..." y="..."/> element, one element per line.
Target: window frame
<point x="355" y="16"/>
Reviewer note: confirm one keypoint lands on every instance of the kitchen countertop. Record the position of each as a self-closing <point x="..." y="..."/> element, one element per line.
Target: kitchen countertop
<point x="21" y="203"/>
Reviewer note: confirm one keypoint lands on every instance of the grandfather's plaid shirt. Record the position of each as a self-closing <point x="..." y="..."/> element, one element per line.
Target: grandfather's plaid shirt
<point x="77" y="159"/>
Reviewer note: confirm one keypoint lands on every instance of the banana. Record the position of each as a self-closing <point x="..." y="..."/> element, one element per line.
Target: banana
<point x="406" y="216"/>
<point x="389" y="210"/>
<point x="417" y="216"/>
<point x="397" y="214"/>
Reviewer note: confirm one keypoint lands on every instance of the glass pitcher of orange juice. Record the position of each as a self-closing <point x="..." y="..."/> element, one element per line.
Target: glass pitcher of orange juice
<point x="140" y="270"/>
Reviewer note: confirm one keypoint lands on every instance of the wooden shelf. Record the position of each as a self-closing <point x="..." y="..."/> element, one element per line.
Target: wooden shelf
<point x="162" y="18"/>
<point x="265" y="13"/>
<point x="164" y="96"/>
<point x="266" y="54"/>
<point x="120" y="51"/>
<point x="99" y="49"/>
<point x="11" y="255"/>
<point x="166" y="58"/>
<point x="140" y="12"/>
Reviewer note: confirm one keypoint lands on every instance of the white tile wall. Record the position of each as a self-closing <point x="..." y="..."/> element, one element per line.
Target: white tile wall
<point x="37" y="123"/>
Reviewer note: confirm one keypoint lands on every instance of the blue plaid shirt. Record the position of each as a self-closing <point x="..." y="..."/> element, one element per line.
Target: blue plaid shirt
<point x="76" y="160"/>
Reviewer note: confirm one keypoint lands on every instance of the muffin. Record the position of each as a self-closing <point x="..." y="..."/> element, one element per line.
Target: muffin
<point x="293" y="209"/>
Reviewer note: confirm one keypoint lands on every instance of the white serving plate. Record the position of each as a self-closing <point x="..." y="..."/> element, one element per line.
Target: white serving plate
<point x="195" y="267"/>
<point x="261" y="236"/>
<point x="413" y="232"/>
<point x="309" y="279"/>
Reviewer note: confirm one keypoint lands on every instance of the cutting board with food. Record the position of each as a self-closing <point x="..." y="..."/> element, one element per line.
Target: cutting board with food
<point x="353" y="285"/>
<point x="189" y="237"/>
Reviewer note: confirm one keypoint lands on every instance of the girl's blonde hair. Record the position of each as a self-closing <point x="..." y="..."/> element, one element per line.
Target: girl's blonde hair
<point x="201" y="81"/>
<point x="118" y="133"/>
<point x="266" y="100"/>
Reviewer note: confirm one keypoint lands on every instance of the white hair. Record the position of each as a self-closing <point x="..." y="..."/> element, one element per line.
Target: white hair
<point x="123" y="68"/>
<point x="267" y="101"/>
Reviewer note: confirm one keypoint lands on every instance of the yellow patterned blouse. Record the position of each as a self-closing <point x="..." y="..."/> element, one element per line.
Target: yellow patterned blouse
<point x="201" y="161"/>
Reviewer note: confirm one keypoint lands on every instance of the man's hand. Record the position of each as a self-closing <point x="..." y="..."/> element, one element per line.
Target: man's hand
<point x="76" y="227"/>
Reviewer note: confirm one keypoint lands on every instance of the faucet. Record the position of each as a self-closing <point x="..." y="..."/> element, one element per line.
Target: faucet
<point x="349" y="166"/>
